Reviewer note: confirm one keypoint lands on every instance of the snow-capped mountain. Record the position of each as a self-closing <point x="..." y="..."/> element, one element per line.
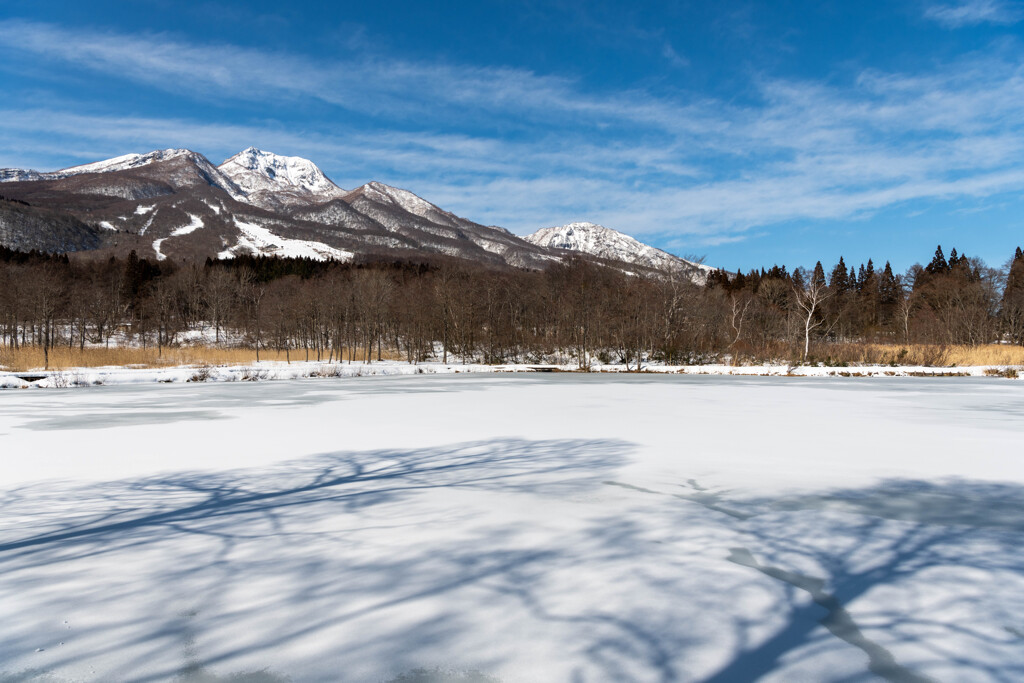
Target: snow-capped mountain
<point x="606" y="243"/>
<point x="174" y="203"/>
<point x="133" y="176"/>
<point x="122" y="163"/>
<point x="17" y="175"/>
<point x="405" y="200"/>
<point x="272" y="180"/>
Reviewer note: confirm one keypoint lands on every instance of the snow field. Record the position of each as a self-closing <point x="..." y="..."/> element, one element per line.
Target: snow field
<point x="259" y="240"/>
<point x="532" y="527"/>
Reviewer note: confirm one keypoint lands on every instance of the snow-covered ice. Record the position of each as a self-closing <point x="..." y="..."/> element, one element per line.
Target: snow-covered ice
<point x="530" y="527"/>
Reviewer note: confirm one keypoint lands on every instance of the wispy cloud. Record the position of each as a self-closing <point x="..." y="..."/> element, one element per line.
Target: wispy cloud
<point x="674" y="58"/>
<point x="970" y="12"/>
<point x="396" y="88"/>
<point x="689" y="170"/>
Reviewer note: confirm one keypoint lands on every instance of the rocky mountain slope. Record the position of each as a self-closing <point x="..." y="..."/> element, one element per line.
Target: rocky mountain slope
<point x="175" y="203"/>
<point x="273" y="181"/>
<point x="605" y="243"/>
<point x="26" y="228"/>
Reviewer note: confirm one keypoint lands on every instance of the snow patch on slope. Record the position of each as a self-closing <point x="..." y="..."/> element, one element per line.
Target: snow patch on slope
<point x="195" y="223"/>
<point x="256" y="239"/>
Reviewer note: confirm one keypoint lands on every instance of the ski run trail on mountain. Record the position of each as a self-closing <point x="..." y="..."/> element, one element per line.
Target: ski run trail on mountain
<point x="195" y="223"/>
<point x="555" y="527"/>
<point x="255" y="239"/>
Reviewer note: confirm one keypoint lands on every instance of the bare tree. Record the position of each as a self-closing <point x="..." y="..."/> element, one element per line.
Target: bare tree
<point x="809" y="300"/>
<point x="47" y="290"/>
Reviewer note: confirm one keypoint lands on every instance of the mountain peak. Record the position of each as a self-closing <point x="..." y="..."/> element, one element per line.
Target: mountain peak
<point x="125" y="162"/>
<point x="255" y="171"/>
<point x="597" y="240"/>
<point x="403" y="199"/>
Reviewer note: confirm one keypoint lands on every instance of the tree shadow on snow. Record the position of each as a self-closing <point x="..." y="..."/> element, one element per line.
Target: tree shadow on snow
<point x="824" y="552"/>
<point x="888" y="535"/>
<point x="227" y="512"/>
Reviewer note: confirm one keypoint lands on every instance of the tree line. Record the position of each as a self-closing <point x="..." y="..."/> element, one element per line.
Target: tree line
<point x="576" y="312"/>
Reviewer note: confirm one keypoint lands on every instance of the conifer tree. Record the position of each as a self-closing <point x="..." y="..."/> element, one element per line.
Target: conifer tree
<point x="819" y="274"/>
<point x="839" y="281"/>
<point x="938" y="263"/>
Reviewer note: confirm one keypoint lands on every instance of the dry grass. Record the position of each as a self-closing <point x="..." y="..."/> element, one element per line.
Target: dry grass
<point x="920" y="354"/>
<point x="31" y="357"/>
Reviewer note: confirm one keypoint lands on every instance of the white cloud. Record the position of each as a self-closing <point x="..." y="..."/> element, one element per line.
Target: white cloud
<point x="673" y="57"/>
<point x="395" y="88"/>
<point x="972" y="12"/>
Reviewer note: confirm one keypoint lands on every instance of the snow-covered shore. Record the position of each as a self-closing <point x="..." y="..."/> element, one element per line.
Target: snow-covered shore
<point x="272" y="370"/>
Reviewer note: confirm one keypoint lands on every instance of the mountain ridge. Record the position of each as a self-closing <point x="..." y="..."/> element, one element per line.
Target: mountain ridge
<point x="608" y="243"/>
<point x="175" y="202"/>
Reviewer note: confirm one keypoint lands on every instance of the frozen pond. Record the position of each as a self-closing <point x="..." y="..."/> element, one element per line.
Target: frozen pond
<point x="514" y="528"/>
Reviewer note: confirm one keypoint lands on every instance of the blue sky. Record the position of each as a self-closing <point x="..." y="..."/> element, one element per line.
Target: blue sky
<point x="748" y="133"/>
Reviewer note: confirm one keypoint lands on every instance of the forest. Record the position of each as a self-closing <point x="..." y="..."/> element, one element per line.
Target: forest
<point x="577" y="312"/>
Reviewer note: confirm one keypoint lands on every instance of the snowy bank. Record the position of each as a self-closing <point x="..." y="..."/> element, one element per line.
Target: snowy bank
<point x="273" y="370"/>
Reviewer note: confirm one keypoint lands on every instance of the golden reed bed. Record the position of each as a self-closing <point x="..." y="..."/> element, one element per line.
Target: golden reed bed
<point x="31" y="357"/>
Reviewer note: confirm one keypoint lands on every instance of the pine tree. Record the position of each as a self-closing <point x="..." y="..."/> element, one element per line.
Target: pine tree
<point x="839" y="281"/>
<point x="938" y="264"/>
<point x="868" y="293"/>
<point x="1013" y="299"/>
<point x="819" y="274"/>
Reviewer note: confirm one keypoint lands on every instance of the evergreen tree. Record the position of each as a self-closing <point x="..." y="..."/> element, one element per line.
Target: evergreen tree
<point x="889" y="286"/>
<point x="870" y="300"/>
<point x="954" y="260"/>
<point x="938" y="264"/>
<point x="819" y="274"/>
<point x="839" y="282"/>
<point x="1013" y="300"/>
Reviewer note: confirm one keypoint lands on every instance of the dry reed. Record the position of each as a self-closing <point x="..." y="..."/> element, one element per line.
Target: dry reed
<point x="920" y="354"/>
<point x="62" y="357"/>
